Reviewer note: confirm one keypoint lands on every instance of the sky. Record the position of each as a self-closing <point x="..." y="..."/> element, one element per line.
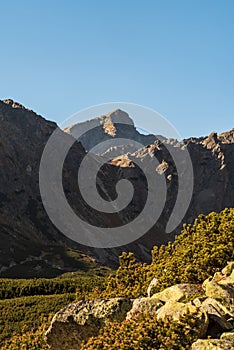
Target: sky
<point x="173" y="56"/>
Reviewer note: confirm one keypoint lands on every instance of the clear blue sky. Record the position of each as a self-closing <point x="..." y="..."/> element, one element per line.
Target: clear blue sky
<point x="174" y="56"/>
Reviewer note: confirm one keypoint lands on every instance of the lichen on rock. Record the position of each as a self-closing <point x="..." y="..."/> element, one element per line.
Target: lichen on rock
<point x="79" y="321"/>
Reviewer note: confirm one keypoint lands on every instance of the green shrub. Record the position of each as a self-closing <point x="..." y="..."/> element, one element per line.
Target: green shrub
<point x="198" y="252"/>
<point x="145" y="332"/>
<point x="28" y="340"/>
<point x="130" y="280"/>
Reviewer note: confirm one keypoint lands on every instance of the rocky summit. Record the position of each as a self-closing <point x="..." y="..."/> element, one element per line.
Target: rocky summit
<point x="32" y="246"/>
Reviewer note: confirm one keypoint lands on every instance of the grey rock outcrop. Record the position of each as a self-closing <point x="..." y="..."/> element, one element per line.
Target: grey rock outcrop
<point x="77" y="322"/>
<point x="212" y="344"/>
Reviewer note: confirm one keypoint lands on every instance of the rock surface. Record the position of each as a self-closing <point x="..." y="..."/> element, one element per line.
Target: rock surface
<point x="179" y="292"/>
<point x="77" y="322"/>
<point x="221" y="286"/>
<point x="175" y="310"/>
<point x="212" y="344"/>
<point x="141" y="305"/>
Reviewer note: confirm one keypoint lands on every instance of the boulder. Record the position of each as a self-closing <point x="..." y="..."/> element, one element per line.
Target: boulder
<point x="175" y="310"/>
<point x="178" y="292"/>
<point x="220" y="308"/>
<point x="221" y="285"/>
<point x="144" y="305"/>
<point x="222" y="291"/>
<point x="212" y="344"/>
<point x="219" y="315"/>
<point x="79" y="321"/>
<point x="218" y="318"/>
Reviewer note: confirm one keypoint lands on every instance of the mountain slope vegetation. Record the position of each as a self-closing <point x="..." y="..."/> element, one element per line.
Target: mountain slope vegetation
<point x="202" y="249"/>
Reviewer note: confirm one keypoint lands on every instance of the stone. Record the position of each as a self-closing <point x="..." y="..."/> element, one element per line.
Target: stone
<point x="198" y="301"/>
<point x="175" y="310"/>
<point x="79" y="321"/>
<point x="219" y="290"/>
<point x="178" y="292"/>
<point x="218" y="318"/>
<point x="143" y="305"/>
<point x="220" y="308"/>
<point x="212" y="344"/>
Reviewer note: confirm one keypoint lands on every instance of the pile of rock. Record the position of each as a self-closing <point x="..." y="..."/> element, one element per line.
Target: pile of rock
<point x="214" y="312"/>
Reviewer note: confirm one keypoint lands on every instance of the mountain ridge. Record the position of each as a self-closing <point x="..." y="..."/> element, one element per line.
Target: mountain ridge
<point x="31" y="245"/>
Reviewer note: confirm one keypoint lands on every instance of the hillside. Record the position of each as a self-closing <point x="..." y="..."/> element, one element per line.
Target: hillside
<point x="32" y="246"/>
<point x="184" y="299"/>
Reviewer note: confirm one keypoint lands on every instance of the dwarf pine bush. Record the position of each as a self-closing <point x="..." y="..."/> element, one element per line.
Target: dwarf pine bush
<point x="145" y="332"/>
<point x="198" y="252"/>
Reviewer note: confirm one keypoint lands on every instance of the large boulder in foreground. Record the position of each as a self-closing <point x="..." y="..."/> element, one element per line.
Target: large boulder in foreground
<point x="79" y="321"/>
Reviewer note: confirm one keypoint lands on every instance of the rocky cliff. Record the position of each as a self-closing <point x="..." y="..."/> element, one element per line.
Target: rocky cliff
<point x="30" y="243"/>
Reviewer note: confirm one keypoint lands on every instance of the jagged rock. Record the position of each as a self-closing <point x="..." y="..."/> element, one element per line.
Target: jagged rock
<point x="222" y="290"/>
<point x="81" y="320"/>
<point x="223" y="310"/>
<point x="217" y="321"/>
<point x="123" y="161"/>
<point x="178" y="292"/>
<point x="162" y="168"/>
<point x="174" y="310"/>
<point x="144" y="305"/>
<point x="212" y="344"/>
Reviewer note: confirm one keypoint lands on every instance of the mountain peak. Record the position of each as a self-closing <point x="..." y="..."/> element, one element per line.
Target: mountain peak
<point x="119" y="116"/>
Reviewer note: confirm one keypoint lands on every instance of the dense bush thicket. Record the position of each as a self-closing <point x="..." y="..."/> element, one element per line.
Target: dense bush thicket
<point x="28" y="312"/>
<point x="28" y="340"/>
<point x="145" y="332"/>
<point x="12" y="288"/>
<point x="198" y="252"/>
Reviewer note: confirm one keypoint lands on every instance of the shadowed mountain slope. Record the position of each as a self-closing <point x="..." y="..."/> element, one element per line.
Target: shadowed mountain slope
<point x="32" y="246"/>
